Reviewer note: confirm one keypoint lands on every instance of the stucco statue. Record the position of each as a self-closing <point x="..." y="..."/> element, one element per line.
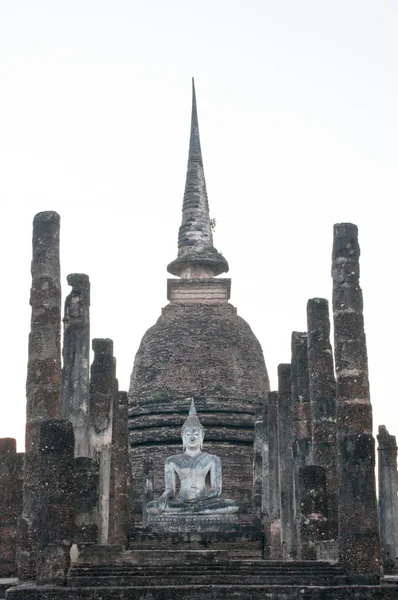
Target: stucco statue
<point x="192" y="468"/>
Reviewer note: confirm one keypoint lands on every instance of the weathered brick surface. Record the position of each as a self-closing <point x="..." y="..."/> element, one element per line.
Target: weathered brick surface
<point x="119" y="501"/>
<point x="11" y="465"/>
<point x="388" y="496"/>
<point x="274" y="487"/>
<point x="103" y="393"/>
<point x="288" y="525"/>
<point x="43" y="382"/>
<point x="323" y="402"/>
<point x="312" y="517"/>
<point x="187" y="592"/>
<point x="210" y="354"/>
<point x="56" y="517"/>
<point x="86" y="500"/>
<point x="76" y="367"/>
<point x="359" y="537"/>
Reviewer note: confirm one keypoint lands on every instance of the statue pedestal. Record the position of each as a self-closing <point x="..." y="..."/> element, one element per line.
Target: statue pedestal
<point x="192" y="523"/>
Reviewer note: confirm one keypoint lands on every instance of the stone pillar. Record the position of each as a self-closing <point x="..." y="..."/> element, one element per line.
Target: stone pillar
<point x="312" y="519"/>
<point x="301" y="405"/>
<point x="388" y="498"/>
<point x="10" y="504"/>
<point x="86" y="503"/>
<point x="149" y="486"/>
<point x="266" y="511"/>
<point x="257" y="494"/>
<point x="119" y="516"/>
<point x="359" y="538"/>
<point x="56" y="500"/>
<point x="274" y="487"/>
<point x="288" y="526"/>
<point x="43" y="383"/>
<point x="301" y="413"/>
<point x="76" y="367"/>
<point x="102" y="398"/>
<point x="323" y="402"/>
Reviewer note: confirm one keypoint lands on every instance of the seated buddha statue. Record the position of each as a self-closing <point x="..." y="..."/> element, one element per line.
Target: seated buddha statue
<point x="192" y="467"/>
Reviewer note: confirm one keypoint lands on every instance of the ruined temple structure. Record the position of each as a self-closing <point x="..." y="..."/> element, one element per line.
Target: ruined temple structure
<point x="199" y="482"/>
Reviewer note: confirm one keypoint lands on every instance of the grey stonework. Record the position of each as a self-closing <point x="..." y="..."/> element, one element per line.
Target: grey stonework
<point x="301" y="414"/>
<point x="11" y="473"/>
<point x="323" y="402"/>
<point x="359" y="537"/>
<point x="301" y="405"/>
<point x="287" y="505"/>
<point x="274" y="485"/>
<point x="209" y="353"/>
<point x="56" y="517"/>
<point x="258" y="475"/>
<point x="198" y="348"/>
<point x="86" y="500"/>
<point x="76" y="357"/>
<point x="103" y="389"/>
<point x="388" y="496"/>
<point x="43" y="384"/>
<point x="119" y="497"/>
<point x="196" y="253"/>
<point x="312" y="504"/>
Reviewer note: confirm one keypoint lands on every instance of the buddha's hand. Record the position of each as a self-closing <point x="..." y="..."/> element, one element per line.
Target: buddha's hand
<point x="162" y="500"/>
<point x="208" y="494"/>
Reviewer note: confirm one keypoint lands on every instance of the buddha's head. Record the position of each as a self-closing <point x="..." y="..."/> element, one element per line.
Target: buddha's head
<point x="192" y="432"/>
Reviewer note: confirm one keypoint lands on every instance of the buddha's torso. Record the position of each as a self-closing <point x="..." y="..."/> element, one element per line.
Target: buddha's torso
<point x="192" y="472"/>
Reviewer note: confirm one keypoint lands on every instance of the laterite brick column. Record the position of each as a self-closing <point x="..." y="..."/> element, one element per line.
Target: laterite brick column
<point x="359" y="538"/>
<point x="43" y="385"/>
<point x="323" y="402"/>
<point x="56" y="500"/>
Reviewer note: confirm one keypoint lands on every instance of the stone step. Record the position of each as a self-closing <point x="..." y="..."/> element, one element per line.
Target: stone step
<point x="204" y="580"/>
<point x="81" y="570"/>
<point x="221" y="592"/>
<point x="308" y="573"/>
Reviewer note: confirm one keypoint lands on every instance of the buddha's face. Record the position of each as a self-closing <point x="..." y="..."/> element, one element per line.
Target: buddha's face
<point x="192" y="438"/>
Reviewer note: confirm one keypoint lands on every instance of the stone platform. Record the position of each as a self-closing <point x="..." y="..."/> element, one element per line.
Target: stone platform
<point x="195" y="523"/>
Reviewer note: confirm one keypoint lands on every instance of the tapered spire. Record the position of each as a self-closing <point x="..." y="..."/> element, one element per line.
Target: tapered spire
<point x="197" y="256"/>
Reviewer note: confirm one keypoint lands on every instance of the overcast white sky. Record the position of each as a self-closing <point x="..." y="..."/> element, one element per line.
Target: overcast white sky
<point x="298" y="116"/>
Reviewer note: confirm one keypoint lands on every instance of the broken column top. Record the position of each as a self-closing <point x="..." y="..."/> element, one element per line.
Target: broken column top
<point x="102" y="346"/>
<point x="384" y="438"/>
<point x="345" y="249"/>
<point x="197" y="257"/>
<point x="47" y="216"/>
<point x="80" y="281"/>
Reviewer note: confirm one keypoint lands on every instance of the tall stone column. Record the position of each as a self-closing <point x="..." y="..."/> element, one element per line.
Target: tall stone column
<point x="312" y="519"/>
<point x="257" y="494"/>
<point x="388" y="498"/>
<point x="323" y="402"/>
<point x="274" y="487"/>
<point x="359" y="538"/>
<point x="56" y="517"/>
<point x="76" y="367"/>
<point x="43" y="385"/>
<point x="10" y="504"/>
<point x="120" y="475"/>
<point x="301" y="415"/>
<point x="102" y="399"/>
<point x="265" y="507"/>
<point x="288" y="526"/>
<point x="301" y="405"/>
